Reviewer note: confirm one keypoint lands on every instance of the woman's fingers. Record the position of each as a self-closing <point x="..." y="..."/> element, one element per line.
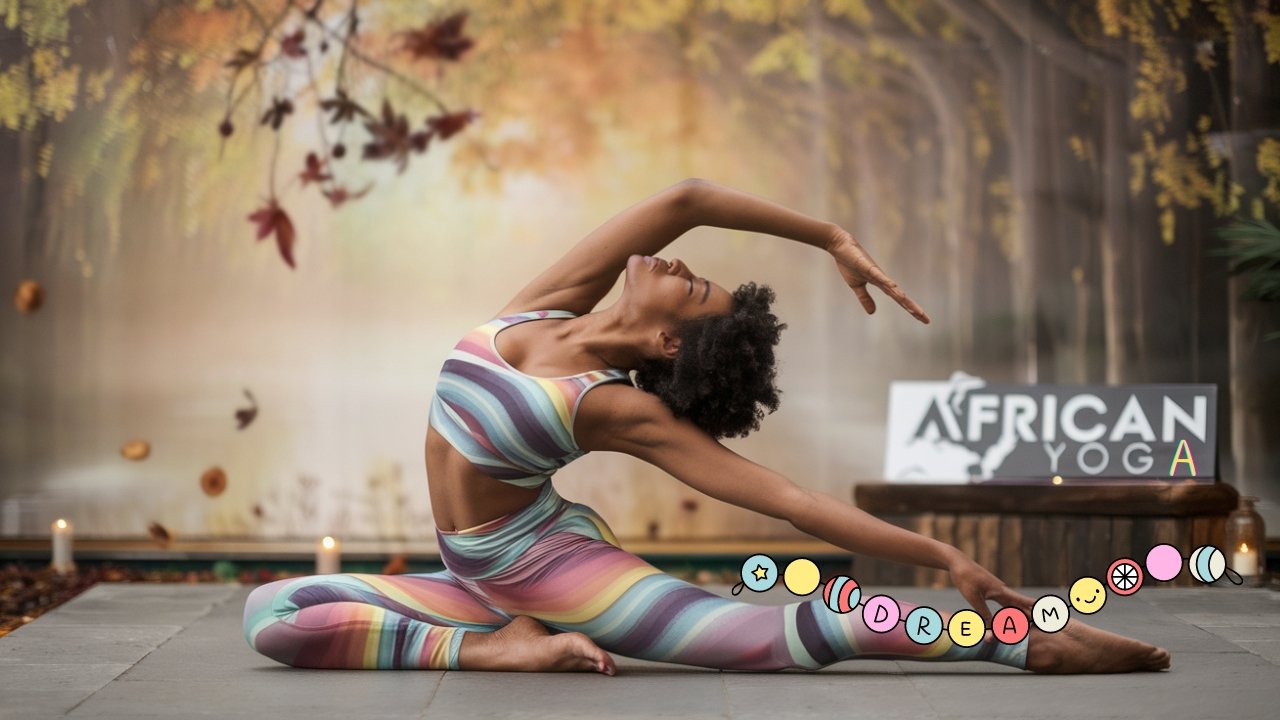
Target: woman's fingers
<point x="1009" y="598"/>
<point x="891" y="289"/>
<point x="980" y="606"/>
<point x="865" y="298"/>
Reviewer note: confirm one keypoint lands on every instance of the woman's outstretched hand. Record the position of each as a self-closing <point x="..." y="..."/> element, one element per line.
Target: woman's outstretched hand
<point x="858" y="270"/>
<point x="977" y="585"/>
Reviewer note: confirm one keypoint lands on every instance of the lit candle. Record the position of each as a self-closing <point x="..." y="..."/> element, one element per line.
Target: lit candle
<point x="328" y="556"/>
<point x="1245" y="561"/>
<point x="62" y="562"/>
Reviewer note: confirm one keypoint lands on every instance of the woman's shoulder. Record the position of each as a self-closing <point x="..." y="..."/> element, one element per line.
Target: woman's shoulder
<point x="614" y="410"/>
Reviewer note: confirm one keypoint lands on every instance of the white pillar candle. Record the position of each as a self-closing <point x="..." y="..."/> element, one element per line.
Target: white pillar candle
<point x="62" y="560"/>
<point x="1245" y="560"/>
<point x="328" y="556"/>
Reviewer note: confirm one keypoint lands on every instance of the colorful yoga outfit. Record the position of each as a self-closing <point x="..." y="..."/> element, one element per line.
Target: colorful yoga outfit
<point x="554" y="560"/>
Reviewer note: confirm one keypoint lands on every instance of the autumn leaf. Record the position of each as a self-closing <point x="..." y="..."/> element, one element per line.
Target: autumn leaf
<point x="291" y="45"/>
<point x="449" y="124"/>
<point x="392" y="139"/>
<point x="340" y="194"/>
<point x="159" y="533"/>
<point x="344" y="108"/>
<point x="273" y="219"/>
<point x="275" y="114"/>
<point x="242" y="59"/>
<point x="314" y="172"/>
<point x="244" y="416"/>
<point x="214" y="481"/>
<point x="441" y="39"/>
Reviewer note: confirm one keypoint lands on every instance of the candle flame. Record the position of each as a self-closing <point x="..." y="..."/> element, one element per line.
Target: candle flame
<point x="62" y="524"/>
<point x="328" y="542"/>
<point x="1244" y="547"/>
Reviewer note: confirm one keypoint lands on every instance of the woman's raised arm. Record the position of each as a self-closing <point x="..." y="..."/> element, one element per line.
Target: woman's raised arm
<point x="586" y="273"/>
<point x="577" y="281"/>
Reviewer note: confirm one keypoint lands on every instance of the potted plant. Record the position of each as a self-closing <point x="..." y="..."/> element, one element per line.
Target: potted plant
<point x="1254" y="246"/>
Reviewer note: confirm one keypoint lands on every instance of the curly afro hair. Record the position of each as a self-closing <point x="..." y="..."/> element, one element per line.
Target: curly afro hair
<point x="725" y="367"/>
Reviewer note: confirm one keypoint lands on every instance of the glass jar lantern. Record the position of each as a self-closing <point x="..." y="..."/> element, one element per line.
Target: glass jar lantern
<point x="1246" y="542"/>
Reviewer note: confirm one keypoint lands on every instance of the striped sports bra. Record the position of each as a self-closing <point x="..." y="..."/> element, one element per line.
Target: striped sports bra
<point x="513" y="427"/>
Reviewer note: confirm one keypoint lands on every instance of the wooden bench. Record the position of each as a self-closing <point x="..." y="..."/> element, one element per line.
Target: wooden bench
<point x="1046" y="534"/>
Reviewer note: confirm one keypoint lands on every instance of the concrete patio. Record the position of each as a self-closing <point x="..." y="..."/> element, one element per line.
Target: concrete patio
<point x="127" y="650"/>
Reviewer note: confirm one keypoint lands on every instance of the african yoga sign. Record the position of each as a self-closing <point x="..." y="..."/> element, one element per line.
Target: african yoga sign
<point x="966" y="430"/>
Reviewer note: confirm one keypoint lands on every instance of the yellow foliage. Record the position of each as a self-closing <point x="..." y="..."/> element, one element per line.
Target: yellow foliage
<point x="907" y="11"/>
<point x="15" y="96"/>
<point x="1203" y="123"/>
<point x="762" y="12"/>
<point x="881" y="50"/>
<point x="701" y="54"/>
<point x="1137" y="179"/>
<point x="1178" y="175"/>
<point x="45" y="62"/>
<point x="95" y="85"/>
<point x="42" y="21"/>
<point x="848" y="65"/>
<point x="57" y="95"/>
<point x="786" y="52"/>
<point x="653" y="14"/>
<point x="855" y="10"/>
<point x="1111" y="17"/>
<point x="1269" y="166"/>
<point x="1221" y="11"/>
<point x="1270" y="24"/>
<point x="951" y="31"/>
<point x="44" y="160"/>
<point x="1081" y="147"/>
<point x="1167" y="225"/>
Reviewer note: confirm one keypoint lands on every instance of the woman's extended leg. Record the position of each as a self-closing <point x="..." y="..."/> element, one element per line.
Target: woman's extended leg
<point x="573" y="582"/>
<point x="560" y="564"/>
<point x="362" y="621"/>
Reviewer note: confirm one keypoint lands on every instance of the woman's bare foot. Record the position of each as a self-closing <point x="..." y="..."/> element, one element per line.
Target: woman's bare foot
<point x="526" y="645"/>
<point x="1078" y="648"/>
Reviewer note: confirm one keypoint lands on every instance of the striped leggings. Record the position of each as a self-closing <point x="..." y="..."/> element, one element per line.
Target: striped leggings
<point x="559" y="563"/>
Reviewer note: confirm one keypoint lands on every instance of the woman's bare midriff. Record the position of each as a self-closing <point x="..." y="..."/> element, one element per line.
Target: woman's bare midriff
<point x="463" y="497"/>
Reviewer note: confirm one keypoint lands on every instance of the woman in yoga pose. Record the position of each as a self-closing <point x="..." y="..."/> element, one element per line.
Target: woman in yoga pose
<point x="511" y="407"/>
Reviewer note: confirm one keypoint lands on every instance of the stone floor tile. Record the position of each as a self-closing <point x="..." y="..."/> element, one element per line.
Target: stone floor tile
<point x="638" y="694"/>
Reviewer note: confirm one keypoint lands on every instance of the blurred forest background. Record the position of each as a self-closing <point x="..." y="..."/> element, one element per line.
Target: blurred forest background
<point x="242" y="236"/>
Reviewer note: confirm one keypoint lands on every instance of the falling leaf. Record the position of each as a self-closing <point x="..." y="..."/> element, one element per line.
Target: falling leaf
<point x="272" y="219"/>
<point x="242" y="59"/>
<point x="213" y="481"/>
<point x="29" y="296"/>
<point x="314" y="172"/>
<point x="344" y="108"/>
<point x="159" y="533"/>
<point x="246" y="415"/>
<point x="275" y="114"/>
<point x="291" y="45"/>
<point x="136" y="450"/>
<point x="441" y="39"/>
<point x="392" y="139"/>
<point x="449" y="124"/>
<point x="340" y="194"/>
<point x="257" y="511"/>
<point x="396" y="566"/>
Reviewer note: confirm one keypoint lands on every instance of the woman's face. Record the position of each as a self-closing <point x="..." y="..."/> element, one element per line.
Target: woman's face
<point x="671" y="291"/>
